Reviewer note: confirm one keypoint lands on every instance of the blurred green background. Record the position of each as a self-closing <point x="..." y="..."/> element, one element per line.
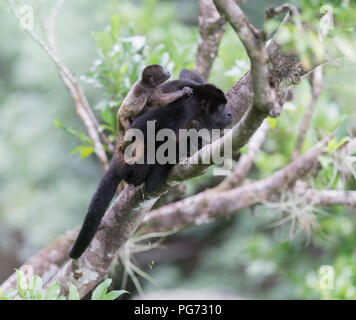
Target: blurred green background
<point x="44" y="190"/>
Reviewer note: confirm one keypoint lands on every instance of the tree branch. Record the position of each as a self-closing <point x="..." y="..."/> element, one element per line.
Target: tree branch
<point x="205" y="206"/>
<point x="329" y="197"/>
<point x="316" y="82"/>
<point x="246" y="160"/>
<point x="47" y="261"/>
<point x="253" y="40"/>
<point x="128" y="212"/>
<point x="51" y="39"/>
<point x="75" y="90"/>
<point x="211" y="28"/>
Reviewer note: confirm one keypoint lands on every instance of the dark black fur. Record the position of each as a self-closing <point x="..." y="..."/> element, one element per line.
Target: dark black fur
<point x="186" y="74"/>
<point x="207" y="105"/>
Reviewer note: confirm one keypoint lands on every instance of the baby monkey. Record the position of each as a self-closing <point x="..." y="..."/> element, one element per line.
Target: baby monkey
<point x="146" y="93"/>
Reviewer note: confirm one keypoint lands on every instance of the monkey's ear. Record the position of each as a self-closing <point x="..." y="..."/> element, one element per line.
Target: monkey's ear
<point x="152" y="81"/>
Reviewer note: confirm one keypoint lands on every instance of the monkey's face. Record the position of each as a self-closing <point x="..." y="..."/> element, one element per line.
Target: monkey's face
<point x="220" y="116"/>
<point x="215" y="114"/>
<point x="154" y="75"/>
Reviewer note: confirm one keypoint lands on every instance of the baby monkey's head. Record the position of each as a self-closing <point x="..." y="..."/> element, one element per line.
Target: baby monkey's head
<point x="154" y="75"/>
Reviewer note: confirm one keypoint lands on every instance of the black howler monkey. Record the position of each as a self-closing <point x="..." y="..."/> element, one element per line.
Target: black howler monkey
<point x="207" y="106"/>
<point x="146" y="92"/>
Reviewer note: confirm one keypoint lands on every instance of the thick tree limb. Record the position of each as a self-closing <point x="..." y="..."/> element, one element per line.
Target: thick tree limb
<point x="117" y="226"/>
<point x="238" y="136"/>
<point x="202" y="207"/>
<point x="115" y="230"/>
<point x="253" y="40"/>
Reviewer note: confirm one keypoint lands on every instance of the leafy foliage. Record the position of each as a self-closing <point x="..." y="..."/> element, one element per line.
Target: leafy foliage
<point x="34" y="290"/>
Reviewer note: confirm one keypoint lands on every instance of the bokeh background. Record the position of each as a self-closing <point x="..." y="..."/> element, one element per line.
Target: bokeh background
<point x="45" y="189"/>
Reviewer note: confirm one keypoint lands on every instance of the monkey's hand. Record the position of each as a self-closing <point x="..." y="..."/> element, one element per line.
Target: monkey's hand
<point x="187" y="91"/>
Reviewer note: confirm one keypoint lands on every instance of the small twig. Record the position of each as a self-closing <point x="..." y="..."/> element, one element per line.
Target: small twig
<point x="75" y="91"/>
<point x="272" y="12"/>
<point x="245" y="162"/>
<point x="316" y="85"/>
<point x="50" y="33"/>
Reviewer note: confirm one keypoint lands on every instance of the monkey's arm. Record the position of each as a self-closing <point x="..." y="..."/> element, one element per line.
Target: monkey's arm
<point x="123" y="122"/>
<point x="167" y="98"/>
<point x="175" y="85"/>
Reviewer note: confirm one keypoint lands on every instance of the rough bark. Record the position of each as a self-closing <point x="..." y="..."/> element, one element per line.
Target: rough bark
<point x="211" y="30"/>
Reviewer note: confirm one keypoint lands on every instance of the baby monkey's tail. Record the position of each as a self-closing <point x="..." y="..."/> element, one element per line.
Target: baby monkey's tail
<point x="98" y="205"/>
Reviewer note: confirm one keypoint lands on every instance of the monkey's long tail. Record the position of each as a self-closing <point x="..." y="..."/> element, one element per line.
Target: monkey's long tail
<point x="98" y="205"/>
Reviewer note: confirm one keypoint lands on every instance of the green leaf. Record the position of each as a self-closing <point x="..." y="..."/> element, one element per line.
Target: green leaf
<point x="35" y="288"/>
<point x="22" y="284"/>
<point x="123" y="68"/>
<point x="73" y="293"/>
<point x="115" y="25"/>
<point x="244" y="149"/>
<point x="84" y="151"/>
<point x="107" y="116"/>
<point x="272" y="122"/>
<point x="52" y="292"/>
<point x="342" y="130"/>
<point x="100" y="291"/>
<point x="333" y="144"/>
<point x="81" y="136"/>
<point x="106" y="127"/>
<point x="113" y="295"/>
<point x="104" y="42"/>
